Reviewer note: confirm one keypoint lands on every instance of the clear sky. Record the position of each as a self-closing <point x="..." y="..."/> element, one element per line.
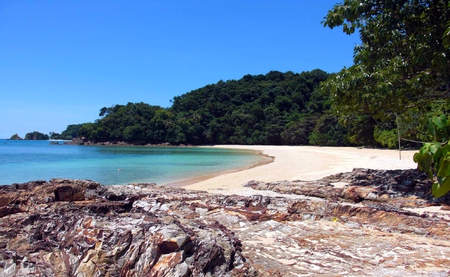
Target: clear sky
<point x="62" y="61"/>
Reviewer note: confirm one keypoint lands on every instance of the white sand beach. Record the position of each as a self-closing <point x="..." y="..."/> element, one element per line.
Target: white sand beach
<point x="304" y="163"/>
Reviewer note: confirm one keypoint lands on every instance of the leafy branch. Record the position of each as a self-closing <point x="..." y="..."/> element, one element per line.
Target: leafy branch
<point x="434" y="157"/>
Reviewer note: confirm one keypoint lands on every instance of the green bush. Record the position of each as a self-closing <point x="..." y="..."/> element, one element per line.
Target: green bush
<point x="387" y="138"/>
<point x="328" y="132"/>
<point x="434" y="157"/>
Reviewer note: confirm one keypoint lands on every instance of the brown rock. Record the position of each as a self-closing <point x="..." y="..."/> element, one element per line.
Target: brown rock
<point x="140" y="230"/>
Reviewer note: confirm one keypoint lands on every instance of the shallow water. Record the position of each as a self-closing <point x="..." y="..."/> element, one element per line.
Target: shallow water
<point x="23" y="161"/>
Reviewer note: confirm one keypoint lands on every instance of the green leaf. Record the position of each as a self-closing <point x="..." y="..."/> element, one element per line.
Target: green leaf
<point x="440" y="121"/>
<point x="434" y="158"/>
<point x="424" y="162"/>
<point x="425" y="148"/>
<point x="434" y="147"/>
<point x="417" y="157"/>
<point x="438" y="154"/>
<point x="445" y="149"/>
<point x="444" y="166"/>
<point x="440" y="189"/>
<point x="432" y="129"/>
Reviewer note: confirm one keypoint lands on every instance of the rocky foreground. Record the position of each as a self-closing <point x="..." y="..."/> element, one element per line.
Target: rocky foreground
<point x="363" y="223"/>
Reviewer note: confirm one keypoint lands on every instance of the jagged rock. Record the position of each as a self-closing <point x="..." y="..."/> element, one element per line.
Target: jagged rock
<point x="401" y="188"/>
<point x="338" y="226"/>
<point x="68" y="193"/>
<point x="108" y="235"/>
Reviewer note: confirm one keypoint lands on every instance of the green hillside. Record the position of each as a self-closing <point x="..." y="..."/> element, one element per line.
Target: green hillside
<point x="276" y="108"/>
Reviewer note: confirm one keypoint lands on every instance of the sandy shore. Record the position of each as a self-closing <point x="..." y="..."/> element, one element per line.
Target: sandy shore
<point x="304" y="163"/>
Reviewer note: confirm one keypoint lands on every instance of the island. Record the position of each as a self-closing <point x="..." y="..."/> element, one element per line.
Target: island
<point x="36" y="136"/>
<point x="15" y="137"/>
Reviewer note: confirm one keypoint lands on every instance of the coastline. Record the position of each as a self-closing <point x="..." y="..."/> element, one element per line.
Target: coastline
<point x="265" y="159"/>
<point x="299" y="163"/>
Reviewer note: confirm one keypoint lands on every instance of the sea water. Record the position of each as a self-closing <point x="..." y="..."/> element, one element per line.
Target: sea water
<point x="24" y="160"/>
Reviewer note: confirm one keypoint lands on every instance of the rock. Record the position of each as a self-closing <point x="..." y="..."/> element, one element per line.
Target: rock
<point x="358" y="194"/>
<point x="401" y="188"/>
<point x="97" y="236"/>
<point x="68" y="193"/>
<point x="373" y="225"/>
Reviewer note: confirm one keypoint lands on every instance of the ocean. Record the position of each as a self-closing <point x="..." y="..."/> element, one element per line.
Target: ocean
<point x="25" y="160"/>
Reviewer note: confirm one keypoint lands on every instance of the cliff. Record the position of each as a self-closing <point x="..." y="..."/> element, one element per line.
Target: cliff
<point x="363" y="223"/>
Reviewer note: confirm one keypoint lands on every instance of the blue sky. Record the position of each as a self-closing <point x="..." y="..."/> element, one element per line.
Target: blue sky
<point x="62" y="61"/>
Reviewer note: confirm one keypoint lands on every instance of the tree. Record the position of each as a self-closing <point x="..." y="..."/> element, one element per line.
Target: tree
<point x="68" y="134"/>
<point x="54" y="135"/>
<point x="262" y="109"/>
<point x="71" y="131"/>
<point x="252" y="110"/>
<point x="297" y="133"/>
<point x="328" y="132"/>
<point x="403" y="60"/>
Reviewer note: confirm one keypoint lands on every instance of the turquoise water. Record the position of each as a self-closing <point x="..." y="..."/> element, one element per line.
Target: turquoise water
<point x="23" y="161"/>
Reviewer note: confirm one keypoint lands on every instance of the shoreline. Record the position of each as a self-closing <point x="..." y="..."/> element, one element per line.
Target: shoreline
<point x="299" y="163"/>
<point x="265" y="159"/>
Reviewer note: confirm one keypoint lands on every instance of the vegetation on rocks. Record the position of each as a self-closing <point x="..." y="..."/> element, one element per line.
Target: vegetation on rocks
<point x="36" y="136"/>
<point x="68" y="134"/>
<point x="15" y="137"/>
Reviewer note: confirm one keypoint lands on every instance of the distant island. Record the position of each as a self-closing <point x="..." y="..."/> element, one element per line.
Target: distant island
<point x="68" y="134"/>
<point x="36" y="136"/>
<point x="31" y="136"/>
<point x="15" y="137"/>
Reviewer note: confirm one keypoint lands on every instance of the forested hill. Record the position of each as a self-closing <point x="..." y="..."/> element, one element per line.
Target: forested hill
<point x="276" y="108"/>
<point x="262" y="109"/>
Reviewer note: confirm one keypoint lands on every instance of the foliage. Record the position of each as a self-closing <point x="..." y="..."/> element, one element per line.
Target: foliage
<point x="297" y="133"/>
<point x="387" y="138"/>
<point x="360" y="129"/>
<point x="276" y="108"/>
<point x="328" y="132"/>
<point x="68" y="134"/>
<point x="434" y="157"/>
<point x="54" y="135"/>
<point x="135" y="123"/>
<point x="36" y="136"/>
<point x="253" y="110"/>
<point x="402" y="63"/>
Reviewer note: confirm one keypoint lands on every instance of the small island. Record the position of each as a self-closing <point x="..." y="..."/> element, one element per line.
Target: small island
<point x="15" y="137"/>
<point x="31" y="136"/>
<point x="36" y="136"/>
